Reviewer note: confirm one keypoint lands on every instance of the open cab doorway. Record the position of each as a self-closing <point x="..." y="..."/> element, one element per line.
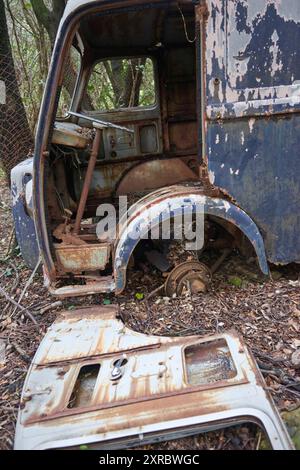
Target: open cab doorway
<point x="126" y="124"/>
<point x="122" y="131"/>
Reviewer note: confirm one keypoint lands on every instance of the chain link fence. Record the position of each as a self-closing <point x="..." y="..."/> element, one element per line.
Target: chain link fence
<point x="113" y="84"/>
<point x="15" y="135"/>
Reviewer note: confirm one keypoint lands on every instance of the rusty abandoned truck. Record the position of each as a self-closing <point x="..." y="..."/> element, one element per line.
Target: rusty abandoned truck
<point x="168" y="103"/>
<point x="188" y="105"/>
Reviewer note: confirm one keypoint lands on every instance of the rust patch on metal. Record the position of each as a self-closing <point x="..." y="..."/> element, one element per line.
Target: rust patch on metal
<point x="155" y="174"/>
<point x="70" y="135"/>
<point x="83" y="257"/>
<point x="190" y="276"/>
<point x="93" y="380"/>
<point x="104" y="284"/>
<point x="64" y="233"/>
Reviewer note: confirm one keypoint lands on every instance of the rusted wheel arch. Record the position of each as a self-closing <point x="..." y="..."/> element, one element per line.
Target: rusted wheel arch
<point x="176" y="197"/>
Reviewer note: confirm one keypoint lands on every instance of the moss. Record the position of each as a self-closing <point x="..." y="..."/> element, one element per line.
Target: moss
<point x="292" y="421"/>
<point x="235" y="281"/>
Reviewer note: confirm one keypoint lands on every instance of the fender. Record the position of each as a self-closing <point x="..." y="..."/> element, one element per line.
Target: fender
<point x="157" y="207"/>
<point x="21" y="186"/>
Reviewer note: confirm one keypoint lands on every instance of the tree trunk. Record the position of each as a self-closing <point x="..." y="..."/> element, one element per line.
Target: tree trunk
<point x="15" y="136"/>
<point x="49" y="19"/>
<point x="126" y="80"/>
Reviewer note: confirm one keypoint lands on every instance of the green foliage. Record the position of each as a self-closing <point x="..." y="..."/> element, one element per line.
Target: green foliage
<point x="72" y="69"/>
<point x="114" y="84"/>
<point x="147" y="90"/>
<point x="139" y="296"/>
<point x="235" y="281"/>
<point x="292" y="421"/>
<point x="122" y="83"/>
<point x="31" y="51"/>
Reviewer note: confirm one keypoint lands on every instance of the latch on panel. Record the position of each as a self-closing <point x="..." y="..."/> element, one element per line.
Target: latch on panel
<point x="118" y="369"/>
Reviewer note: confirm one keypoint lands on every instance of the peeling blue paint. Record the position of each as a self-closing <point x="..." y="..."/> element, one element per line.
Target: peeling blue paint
<point x="253" y="58"/>
<point x="24" y="224"/>
<point x="253" y="51"/>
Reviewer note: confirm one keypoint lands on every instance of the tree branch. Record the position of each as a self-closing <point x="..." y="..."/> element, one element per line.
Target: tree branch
<point x="41" y="12"/>
<point x="49" y="18"/>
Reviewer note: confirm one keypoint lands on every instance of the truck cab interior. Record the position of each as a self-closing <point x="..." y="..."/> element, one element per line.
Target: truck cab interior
<point x="132" y="69"/>
<point x="137" y="69"/>
<point x="128" y="123"/>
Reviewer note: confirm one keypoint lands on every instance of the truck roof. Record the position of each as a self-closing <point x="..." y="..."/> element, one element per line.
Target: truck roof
<point x="73" y="5"/>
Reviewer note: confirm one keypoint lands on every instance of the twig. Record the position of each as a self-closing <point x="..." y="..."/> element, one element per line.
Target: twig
<point x="258" y="441"/>
<point x="28" y="283"/>
<point x="293" y="392"/>
<point x="155" y="291"/>
<point x="295" y="385"/>
<point x="15" y="284"/>
<point x="9" y="408"/>
<point x="23" y="309"/>
<point x="268" y="358"/>
<point x="22" y="353"/>
<point x="49" y="307"/>
<point x="11" y="242"/>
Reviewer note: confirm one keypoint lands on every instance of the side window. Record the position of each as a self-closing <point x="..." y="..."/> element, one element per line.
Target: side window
<point x="121" y="83"/>
<point x="71" y="71"/>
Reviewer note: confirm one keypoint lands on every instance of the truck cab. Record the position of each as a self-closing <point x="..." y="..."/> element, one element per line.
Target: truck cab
<point x="163" y="106"/>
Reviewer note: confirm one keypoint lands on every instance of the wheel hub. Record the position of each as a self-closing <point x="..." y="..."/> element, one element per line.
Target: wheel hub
<point x="190" y="276"/>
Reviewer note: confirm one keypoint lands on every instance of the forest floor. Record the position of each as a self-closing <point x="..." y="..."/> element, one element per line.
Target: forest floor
<point x="265" y="311"/>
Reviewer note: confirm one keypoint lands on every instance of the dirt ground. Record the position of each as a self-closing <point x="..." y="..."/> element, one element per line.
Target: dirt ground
<point x="265" y="312"/>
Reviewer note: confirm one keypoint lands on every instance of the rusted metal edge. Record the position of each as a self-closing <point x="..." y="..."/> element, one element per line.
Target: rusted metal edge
<point x="107" y="285"/>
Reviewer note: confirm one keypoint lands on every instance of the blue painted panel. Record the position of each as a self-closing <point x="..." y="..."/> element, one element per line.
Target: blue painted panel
<point x="259" y="166"/>
<point x="252" y="114"/>
<point x="252" y="57"/>
<point x="24" y="224"/>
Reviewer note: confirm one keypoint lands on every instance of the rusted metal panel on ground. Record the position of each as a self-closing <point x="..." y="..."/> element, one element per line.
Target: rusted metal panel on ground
<point x="94" y="381"/>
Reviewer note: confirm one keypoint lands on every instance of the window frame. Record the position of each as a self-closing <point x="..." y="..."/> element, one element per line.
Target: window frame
<point x="63" y="118"/>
